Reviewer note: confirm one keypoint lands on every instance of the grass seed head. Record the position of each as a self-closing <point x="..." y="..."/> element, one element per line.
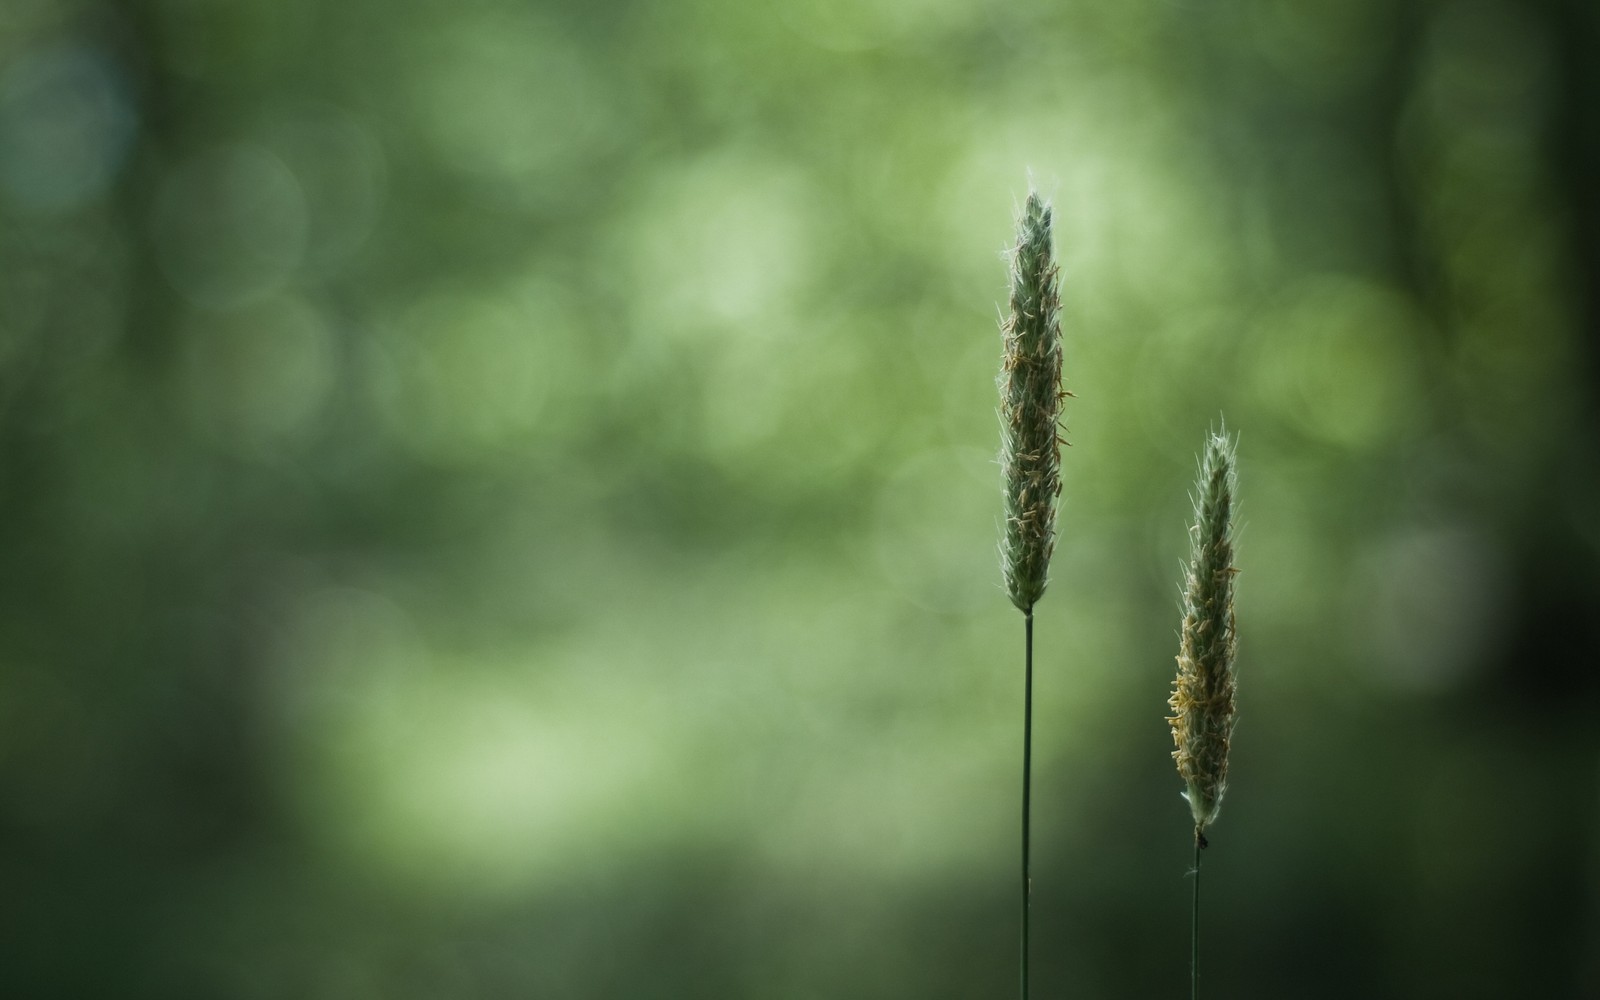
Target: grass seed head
<point x="1030" y="410"/>
<point x="1203" y="696"/>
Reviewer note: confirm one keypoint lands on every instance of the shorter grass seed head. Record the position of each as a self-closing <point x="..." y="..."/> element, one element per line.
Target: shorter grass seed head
<point x="1203" y="696"/>
<point x="1030" y="410"/>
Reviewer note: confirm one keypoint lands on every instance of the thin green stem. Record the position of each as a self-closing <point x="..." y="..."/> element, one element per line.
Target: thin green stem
<point x="1194" y="922"/>
<point x="1027" y="786"/>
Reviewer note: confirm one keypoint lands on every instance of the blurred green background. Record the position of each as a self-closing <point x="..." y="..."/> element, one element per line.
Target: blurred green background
<point x="497" y="499"/>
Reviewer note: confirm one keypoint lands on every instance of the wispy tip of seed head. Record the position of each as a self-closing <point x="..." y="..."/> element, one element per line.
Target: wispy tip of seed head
<point x="1203" y="695"/>
<point x="1030" y="409"/>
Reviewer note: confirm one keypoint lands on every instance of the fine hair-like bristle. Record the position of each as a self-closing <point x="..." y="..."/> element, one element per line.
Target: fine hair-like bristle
<point x="1203" y="695"/>
<point x="1030" y="410"/>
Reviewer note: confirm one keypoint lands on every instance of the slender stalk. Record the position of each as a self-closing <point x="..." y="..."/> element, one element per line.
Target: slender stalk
<point x="1027" y="788"/>
<point x="1194" y="922"/>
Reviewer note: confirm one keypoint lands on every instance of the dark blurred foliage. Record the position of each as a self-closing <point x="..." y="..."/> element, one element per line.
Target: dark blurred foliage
<point x="497" y="499"/>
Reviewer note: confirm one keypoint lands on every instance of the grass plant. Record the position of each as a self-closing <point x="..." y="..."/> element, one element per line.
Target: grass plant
<point x="1030" y="459"/>
<point x="1203" y="709"/>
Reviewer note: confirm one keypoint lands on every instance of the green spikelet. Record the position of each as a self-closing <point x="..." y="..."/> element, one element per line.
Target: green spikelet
<point x="1030" y="410"/>
<point x="1203" y="696"/>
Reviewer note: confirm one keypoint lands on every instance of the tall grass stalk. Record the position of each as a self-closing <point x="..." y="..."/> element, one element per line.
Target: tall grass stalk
<point x="1030" y="461"/>
<point x="1203" y="695"/>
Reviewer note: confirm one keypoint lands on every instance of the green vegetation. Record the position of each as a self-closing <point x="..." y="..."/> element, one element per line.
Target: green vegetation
<point x="1030" y="464"/>
<point x="498" y="499"/>
<point x="1203" y="696"/>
